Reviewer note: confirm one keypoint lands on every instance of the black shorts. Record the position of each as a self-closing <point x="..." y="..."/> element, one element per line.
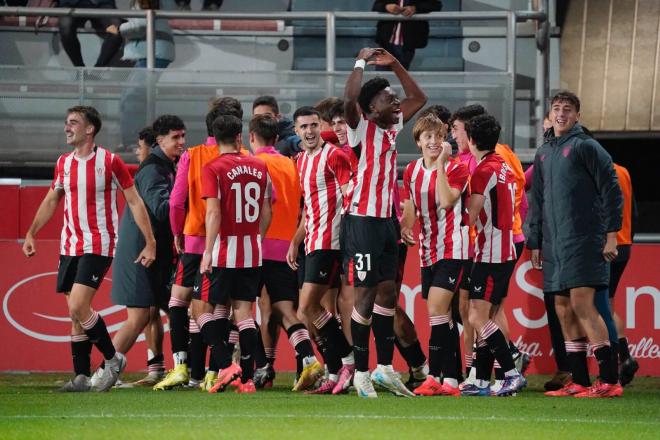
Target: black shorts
<point x="87" y="269"/>
<point x="280" y="280"/>
<point x="401" y="265"/>
<point x="464" y="276"/>
<point x="187" y="269"/>
<point x="371" y="252"/>
<point x="490" y="281"/>
<point x="618" y="266"/>
<point x="224" y="284"/>
<point x="322" y="267"/>
<point x="443" y="274"/>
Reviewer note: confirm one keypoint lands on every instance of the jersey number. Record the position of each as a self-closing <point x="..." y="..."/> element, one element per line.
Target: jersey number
<point x="247" y="201"/>
<point x="360" y="260"/>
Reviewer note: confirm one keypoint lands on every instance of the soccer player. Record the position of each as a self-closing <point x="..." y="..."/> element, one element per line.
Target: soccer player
<point x="375" y="116"/>
<point x="136" y="287"/>
<point x="324" y="174"/>
<point x="237" y="191"/>
<point x="433" y="186"/>
<point x="87" y="178"/>
<point x="279" y="280"/>
<point x="491" y="209"/>
<point x="187" y="216"/>
<point x="575" y="186"/>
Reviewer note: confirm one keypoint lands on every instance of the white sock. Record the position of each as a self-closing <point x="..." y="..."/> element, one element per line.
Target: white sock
<point x="348" y="360"/>
<point x="481" y="383"/>
<point x="333" y="377"/>
<point x="180" y="357"/>
<point x="451" y="382"/>
<point x="307" y="361"/>
<point x="512" y="372"/>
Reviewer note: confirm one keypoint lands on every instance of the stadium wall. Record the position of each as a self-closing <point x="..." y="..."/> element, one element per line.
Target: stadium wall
<point x="34" y="324"/>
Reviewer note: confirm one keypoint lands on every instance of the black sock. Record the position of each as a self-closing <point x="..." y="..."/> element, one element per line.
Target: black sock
<point x="247" y="337"/>
<point x="484" y="363"/>
<point x="179" y="328"/>
<point x="231" y="340"/>
<point x="197" y="356"/>
<point x="156" y="363"/>
<point x="213" y="365"/>
<point x="498" y="345"/>
<point x="412" y="354"/>
<point x="576" y="354"/>
<point x="450" y="367"/>
<point x="606" y="368"/>
<point x="383" y="326"/>
<point x="212" y="333"/>
<point x="624" y="352"/>
<point x="556" y="335"/>
<point x="360" y="334"/>
<point x="456" y="336"/>
<point x="97" y="333"/>
<point x="299" y="338"/>
<point x="299" y="366"/>
<point x="334" y="341"/>
<point x="435" y="350"/>
<point x="499" y="372"/>
<point x="512" y="348"/>
<point x="81" y="350"/>
<point x="260" y="360"/>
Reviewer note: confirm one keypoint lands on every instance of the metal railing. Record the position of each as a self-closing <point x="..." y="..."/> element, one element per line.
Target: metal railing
<point x="510" y="17"/>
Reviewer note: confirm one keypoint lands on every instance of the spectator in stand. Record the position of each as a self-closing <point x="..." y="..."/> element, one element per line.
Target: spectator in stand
<point x="208" y="5"/>
<point x="106" y="27"/>
<point x="401" y="38"/>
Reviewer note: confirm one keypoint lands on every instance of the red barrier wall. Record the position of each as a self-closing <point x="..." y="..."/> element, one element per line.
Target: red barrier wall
<point x="34" y="326"/>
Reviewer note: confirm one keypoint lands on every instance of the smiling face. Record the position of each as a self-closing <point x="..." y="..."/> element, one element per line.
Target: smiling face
<point x="460" y="136"/>
<point x="430" y="142"/>
<point x="339" y="127"/>
<point x="173" y="143"/>
<point x="564" y="116"/>
<point x="308" y="128"/>
<point x="385" y="108"/>
<point x="77" y="130"/>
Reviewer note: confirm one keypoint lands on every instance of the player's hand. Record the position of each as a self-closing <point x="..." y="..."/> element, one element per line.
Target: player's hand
<point x="112" y="29"/>
<point x="28" y="246"/>
<point x="609" y="251"/>
<point x="382" y="58"/>
<point x="408" y="11"/>
<point x="366" y="53"/>
<point x="408" y="237"/>
<point x="445" y="154"/>
<point x="394" y="9"/>
<point x="536" y="259"/>
<point x="179" y="244"/>
<point x="205" y="266"/>
<point x="148" y="255"/>
<point x="292" y="256"/>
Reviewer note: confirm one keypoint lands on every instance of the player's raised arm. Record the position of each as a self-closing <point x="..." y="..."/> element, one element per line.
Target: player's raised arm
<point x="353" y="85"/>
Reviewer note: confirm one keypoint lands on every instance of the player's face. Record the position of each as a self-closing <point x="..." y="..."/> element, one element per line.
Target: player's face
<point x="386" y="108"/>
<point x="142" y="151"/>
<point x="264" y="109"/>
<point x="308" y="128"/>
<point x="77" y="130"/>
<point x="172" y="143"/>
<point x="460" y="136"/>
<point x="430" y="143"/>
<point x="564" y="116"/>
<point x="339" y="127"/>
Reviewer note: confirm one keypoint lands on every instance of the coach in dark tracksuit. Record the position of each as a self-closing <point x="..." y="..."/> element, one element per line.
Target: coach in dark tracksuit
<point x="134" y="286"/>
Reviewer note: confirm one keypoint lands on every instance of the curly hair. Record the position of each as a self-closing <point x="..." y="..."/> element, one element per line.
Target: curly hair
<point x="484" y="130"/>
<point x="165" y="123"/>
<point x="369" y="90"/>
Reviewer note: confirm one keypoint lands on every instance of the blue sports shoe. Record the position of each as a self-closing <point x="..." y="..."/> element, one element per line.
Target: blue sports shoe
<point x="471" y="389"/>
<point x="511" y="385"/>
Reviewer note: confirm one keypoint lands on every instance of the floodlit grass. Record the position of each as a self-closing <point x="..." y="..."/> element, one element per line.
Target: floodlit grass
<point x="30" y="407"/>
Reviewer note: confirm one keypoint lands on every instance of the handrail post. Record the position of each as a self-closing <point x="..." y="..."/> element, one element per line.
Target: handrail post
<point x="151" y="46"/>
<point x="330" y="41"/>
<point x="511" y="69"/>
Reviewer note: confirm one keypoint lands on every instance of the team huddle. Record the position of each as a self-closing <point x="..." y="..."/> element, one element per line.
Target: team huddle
<point x="310" y="223"/>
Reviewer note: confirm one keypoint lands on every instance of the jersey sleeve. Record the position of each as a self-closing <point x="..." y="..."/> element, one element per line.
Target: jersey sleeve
<point x="355" y="134"/>
<point x="120" y="172"/>
<point x="340" y="166"/>
<point x="58" y="177"/>
<point x="457" y="177"/>
<point x="210" y="183"/>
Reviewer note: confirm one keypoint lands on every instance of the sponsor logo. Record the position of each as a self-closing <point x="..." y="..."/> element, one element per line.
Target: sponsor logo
<point x="95" y="278"/>
<point x="477" y="288"/>
<point x="452" y="280"/>
<point x="323" y="274"/>
<point x="196" y="289"/>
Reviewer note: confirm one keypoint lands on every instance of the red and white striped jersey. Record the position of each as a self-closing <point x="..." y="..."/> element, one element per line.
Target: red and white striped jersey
<point x="372" y="184"/>
<point x="90" y="201"/>
<point x="440" y="234"/>
<point x="241" y="183"/>
<point x="321" y="177"/>
<point x="494" y="180"/>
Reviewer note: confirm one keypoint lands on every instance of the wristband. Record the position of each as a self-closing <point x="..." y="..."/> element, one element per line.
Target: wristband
<point x="360" y="64"/>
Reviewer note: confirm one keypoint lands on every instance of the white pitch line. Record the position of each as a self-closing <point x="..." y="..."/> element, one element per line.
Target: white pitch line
<point x="332" y="417"/>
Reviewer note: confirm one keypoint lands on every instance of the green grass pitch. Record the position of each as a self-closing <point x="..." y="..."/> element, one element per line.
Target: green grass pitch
<point x="30" y="407"/>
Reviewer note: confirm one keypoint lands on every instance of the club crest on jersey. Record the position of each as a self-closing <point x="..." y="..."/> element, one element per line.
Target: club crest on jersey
<point x="361" y="274"/>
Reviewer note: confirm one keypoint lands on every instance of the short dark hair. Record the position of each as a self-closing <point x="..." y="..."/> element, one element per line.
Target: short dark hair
<point x="265" y="127"/>
<point x="222" y="107"/>
<point x="147" y="135"/>
<point x="369" y="90"/>
<point x="166" y="123"/>
<point x="566" y="96"/>
<point x="267" y="100"/>
<point x="226" y="128"/>
<point x="484" y="130"/>
<point x="324" y="106"/>
<point x="467" y="112"/>
<point x="336" y="110"/>
<point x="90" y="114"/>
<point x="305" y="111"/>
<point x="440" y="111"/>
